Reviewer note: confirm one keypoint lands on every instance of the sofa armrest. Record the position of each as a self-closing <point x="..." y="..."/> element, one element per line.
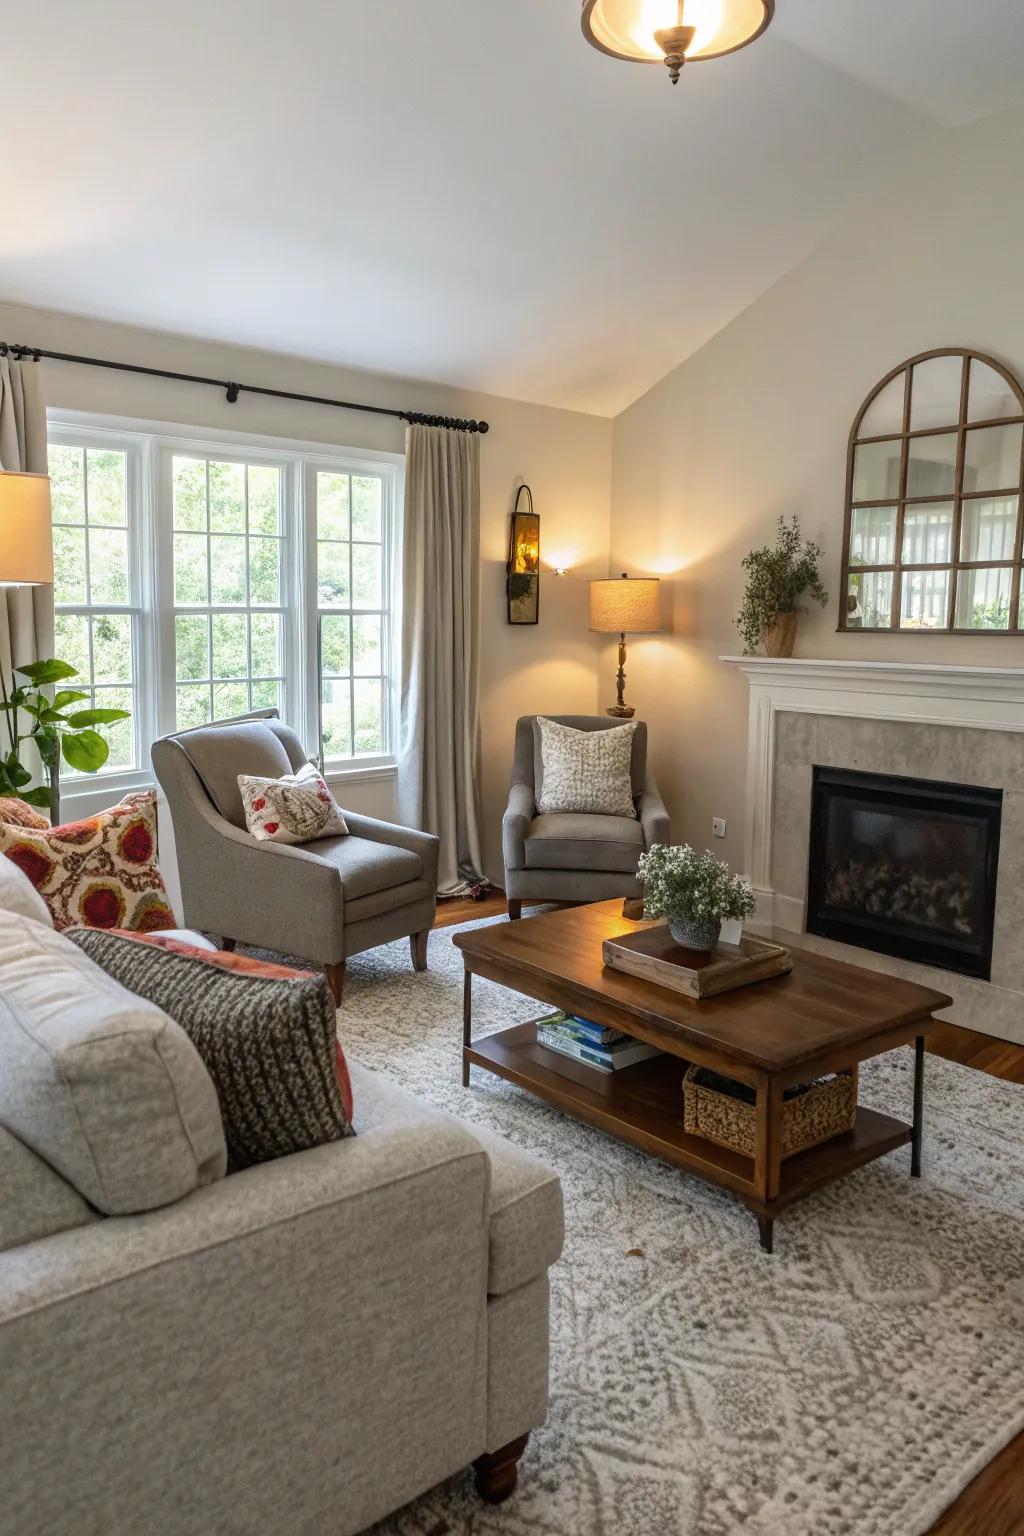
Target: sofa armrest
<point x="653" y="816"/>
<point x="516" y="824"/>
<point x="301" y="1337"/>
<point x="424" y="844"/>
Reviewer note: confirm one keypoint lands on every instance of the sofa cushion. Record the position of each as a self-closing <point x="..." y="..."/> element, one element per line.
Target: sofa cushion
<point x="35" y="1201"/>
<point x="585" y="770"/>
<point x="18" y="814"/>
<point x="184" y="942"/>
<point x="298" y="808"/>
<point x="366" y="867"/>
<point x="270" y="1043"/>
<point x="526" y="1228"/>
<point x="219" y="753"/>
<point x="18" y="894"/>
<point x="101" y="872"/>
<point x="103" y="1086"/>
<point x="567" y="841"/>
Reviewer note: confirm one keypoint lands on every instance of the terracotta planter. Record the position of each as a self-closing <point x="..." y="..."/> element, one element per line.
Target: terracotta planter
<point x="781" y="638"/>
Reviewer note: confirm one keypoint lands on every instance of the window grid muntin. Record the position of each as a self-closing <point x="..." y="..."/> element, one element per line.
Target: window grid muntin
<point x="958" y="497"/>
<point x="247" y="608"/>
<point x="91" y="613"/>
<point x="351" y="612"/>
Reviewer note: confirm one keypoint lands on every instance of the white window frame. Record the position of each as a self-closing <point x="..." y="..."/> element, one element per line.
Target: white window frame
<point x="149" y="447"/>
<point x="390" y="586"/>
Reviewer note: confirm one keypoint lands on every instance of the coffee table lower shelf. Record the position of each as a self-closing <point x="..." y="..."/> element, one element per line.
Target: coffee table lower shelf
<point x="643" y="1105"/>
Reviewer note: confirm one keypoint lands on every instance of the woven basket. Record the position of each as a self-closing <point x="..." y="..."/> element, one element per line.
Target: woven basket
<point x="822" y="1111"/>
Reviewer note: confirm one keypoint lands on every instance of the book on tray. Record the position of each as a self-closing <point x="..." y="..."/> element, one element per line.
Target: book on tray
<point x="608" y="1050"/>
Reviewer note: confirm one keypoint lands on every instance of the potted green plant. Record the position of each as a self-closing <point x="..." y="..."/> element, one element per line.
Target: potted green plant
<point x="695" y="891"/>
<point x="777" y="577"/>
<point x="53" y="731"/>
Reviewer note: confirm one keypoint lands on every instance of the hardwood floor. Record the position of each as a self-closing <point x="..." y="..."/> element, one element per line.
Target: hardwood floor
<point x="993" y="1505"/>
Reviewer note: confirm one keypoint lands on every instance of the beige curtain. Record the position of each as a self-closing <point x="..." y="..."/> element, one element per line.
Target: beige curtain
<point x="439" y="741"/>
<point x="26" y="613"/>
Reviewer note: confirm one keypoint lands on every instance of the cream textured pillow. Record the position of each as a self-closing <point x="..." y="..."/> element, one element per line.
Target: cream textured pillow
<point x="586" y="770"/>
<point x="295" y="809"/>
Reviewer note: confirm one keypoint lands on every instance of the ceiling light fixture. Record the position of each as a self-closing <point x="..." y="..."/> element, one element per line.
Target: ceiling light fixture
<point x="674" y="32"/>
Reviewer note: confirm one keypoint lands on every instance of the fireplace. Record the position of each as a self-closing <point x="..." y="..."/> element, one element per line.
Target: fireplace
<point x="905" y="866"/>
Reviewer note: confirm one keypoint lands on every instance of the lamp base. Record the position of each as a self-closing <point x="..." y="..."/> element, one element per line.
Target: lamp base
<point x="621" y="711"/>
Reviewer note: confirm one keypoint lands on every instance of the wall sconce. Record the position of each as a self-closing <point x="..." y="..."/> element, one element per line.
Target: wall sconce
<point x="522" y="585"/>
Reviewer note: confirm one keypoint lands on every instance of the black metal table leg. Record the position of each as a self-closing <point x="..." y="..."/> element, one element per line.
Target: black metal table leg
<point x="766" y="1229"/>
<point x="915" y="1144"/>
<point x="467" y="1023"/>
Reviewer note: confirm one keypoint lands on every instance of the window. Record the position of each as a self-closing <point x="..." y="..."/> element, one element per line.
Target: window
<point x="95" y="589"/>
<point x="197" y="578"/>
<point x="228" y="613"/>
<point x="933" y="537"/>
<point x="353" y="639"/>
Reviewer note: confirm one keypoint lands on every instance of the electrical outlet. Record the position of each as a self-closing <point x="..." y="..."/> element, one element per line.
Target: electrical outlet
<point x="718" y="826"/>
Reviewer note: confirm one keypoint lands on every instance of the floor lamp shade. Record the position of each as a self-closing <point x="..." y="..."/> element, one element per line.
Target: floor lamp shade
<point x="26" y="538"/>
<point x="629" y="606"/>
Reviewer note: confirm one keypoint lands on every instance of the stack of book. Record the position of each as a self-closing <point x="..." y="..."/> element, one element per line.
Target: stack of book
<point x="607" y="1050"/>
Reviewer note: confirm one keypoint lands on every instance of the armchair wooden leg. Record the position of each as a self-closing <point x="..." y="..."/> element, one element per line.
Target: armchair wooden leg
<point x="515" y="909"/>
<point x="418" y="948"/>
<point x="228" y="944"/>
<point x="496" y="1473"/>
<point x="336" y="980"/>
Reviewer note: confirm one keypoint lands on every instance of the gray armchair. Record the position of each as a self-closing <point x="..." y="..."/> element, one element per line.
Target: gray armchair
<point x="575" y="857"/>
<point x="323" y="901"/>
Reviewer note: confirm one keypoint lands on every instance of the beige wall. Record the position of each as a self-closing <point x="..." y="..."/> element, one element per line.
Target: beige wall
<point x="565" y="456"/>
<point x="756" y="424"/>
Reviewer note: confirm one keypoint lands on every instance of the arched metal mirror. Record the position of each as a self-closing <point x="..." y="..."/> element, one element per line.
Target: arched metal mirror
<point x="933" y="535"/>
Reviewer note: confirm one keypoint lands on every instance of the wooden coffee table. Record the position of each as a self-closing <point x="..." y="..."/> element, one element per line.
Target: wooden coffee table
<point x="822" y="1017"/>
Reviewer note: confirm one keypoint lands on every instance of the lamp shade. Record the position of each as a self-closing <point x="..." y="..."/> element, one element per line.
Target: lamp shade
<point x="627" y="28"/>
<point x="628" y="606"/>
<point x="26" y="538"/>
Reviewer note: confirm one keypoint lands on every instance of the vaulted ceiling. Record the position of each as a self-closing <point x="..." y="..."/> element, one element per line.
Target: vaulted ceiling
<point x="458" y="190"/>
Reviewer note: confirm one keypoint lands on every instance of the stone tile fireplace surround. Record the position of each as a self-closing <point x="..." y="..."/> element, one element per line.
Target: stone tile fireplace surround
<point x="962" y="725"/>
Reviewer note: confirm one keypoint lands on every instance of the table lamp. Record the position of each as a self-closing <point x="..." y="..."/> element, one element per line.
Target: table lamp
<point x="628" y="606"/>
<point x="26" y="538"/>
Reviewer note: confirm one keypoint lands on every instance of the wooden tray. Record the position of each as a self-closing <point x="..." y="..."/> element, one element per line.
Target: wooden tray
<point x="653" y="955"/>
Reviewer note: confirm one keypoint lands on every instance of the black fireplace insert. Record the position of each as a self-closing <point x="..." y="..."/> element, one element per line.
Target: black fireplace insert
<point x="905" y="866"/>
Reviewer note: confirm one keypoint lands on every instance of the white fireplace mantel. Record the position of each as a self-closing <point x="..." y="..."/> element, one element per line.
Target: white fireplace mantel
<point x="984" y="698"/>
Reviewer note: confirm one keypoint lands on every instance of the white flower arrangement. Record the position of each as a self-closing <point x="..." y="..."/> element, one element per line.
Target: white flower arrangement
<point x="680" y="883"/>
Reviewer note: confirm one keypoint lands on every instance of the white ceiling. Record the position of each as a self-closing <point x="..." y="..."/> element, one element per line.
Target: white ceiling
<point x="458" y="190"/>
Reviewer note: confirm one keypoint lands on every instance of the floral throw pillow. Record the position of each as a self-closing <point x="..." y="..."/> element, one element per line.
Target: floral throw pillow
<point x="97" y="873"/>
<point x="17" y="814"/>
<point x="296" y="809"/>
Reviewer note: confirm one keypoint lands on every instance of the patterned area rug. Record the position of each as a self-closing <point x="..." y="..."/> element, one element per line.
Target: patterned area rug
<point x="850" y="1385"/>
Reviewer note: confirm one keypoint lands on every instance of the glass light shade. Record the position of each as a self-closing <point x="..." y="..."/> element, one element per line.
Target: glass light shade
<point x="629" y="606"/>
<point x="626" y="28"/>
<point x="26" y="538"/>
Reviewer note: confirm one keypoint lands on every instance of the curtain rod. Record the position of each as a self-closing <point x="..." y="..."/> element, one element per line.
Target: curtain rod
<point x="417" y="418"/>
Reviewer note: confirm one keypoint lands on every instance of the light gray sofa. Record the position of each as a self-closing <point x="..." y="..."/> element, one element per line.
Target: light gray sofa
<point x="300" y="1347"/>
<point x="575" y="857"/>
<point x="322" y="901"/>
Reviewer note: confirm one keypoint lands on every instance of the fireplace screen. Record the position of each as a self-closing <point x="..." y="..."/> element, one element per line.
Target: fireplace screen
<point x="905" y="866"/>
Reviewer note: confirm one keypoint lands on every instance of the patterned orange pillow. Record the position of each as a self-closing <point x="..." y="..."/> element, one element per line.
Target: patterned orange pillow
<point x="17" y="814"/>
<point x="97" y="873"/>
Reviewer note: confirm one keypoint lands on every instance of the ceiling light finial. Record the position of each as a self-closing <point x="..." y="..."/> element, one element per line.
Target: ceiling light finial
<point x="673" y="42"/>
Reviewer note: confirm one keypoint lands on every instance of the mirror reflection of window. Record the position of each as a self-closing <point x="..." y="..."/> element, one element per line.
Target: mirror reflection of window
<point x="933" y="533"/>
